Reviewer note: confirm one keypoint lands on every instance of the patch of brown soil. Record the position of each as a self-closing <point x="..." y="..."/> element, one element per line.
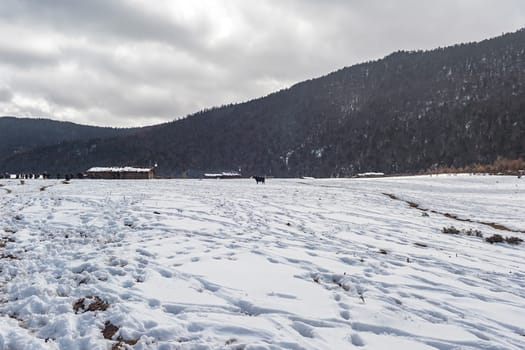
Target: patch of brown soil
<point x="109" y="330"/>
<point x="453" y="216"/>
<point x="94" y="304"/>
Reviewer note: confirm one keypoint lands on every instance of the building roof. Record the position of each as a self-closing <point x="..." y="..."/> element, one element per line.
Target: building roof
<point x="126" y="169"/>
<point x="224" y="174"/>
<point x="371" y="173"/>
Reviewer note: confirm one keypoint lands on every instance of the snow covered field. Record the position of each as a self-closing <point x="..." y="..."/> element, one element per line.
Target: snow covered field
<point x="292" y="264"/>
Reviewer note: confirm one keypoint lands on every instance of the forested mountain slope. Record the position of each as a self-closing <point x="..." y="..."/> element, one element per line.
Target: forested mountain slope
<point x="19" y="135"/>
<point x="409" y="111"/>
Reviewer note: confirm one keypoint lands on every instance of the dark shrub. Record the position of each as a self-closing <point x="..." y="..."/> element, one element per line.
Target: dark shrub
<point x="450" y="230"/>
<point x="494" y="239"/>
<point x="513" y="240"/>
<point x="476" y="233"/>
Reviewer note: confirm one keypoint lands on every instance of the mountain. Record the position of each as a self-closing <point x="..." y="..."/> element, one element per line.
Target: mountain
<point x="20" y="135"/>
<point x="409" y="111"/>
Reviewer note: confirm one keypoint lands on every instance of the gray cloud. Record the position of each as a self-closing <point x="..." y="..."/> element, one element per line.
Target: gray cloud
<point x="24" y="58"/>
<point x="5" y="95"/>
<point x="126" y="63"/>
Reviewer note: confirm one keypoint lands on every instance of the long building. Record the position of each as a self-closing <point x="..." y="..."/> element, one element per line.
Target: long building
<point x="126" y="173"/>
<point x="223" y="175"/>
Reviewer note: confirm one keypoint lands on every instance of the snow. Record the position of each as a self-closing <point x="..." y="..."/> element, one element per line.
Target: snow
<point x="293" y="264"/>
<point x="223" y="174"/>
<point x="126" y="169"/>
<point x="370" y="173"/>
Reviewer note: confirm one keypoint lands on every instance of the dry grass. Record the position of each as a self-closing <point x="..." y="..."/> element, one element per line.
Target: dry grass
<point x="504" y="166"/>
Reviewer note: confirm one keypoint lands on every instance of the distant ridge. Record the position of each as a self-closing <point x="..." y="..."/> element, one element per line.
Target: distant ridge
<point x="408" y="112"/>
<point x="19" y="135"/>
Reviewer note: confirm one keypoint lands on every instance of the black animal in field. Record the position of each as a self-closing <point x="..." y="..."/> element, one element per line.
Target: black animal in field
<point x="259" y="179"/>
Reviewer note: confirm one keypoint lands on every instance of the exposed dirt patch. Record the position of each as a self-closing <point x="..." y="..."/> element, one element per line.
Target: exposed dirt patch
<point x="391" y="196"/>
<point x="5" y="189"/>
<point x="109" y="331"/>
<point x="453" y="216"/>
<point x="9" y="256"/>
<point x="43" y="188"/>
<point x="230" y="341"/>
<point x="498" y="226"/>
<point x="120" y="344"/>
<point x="414" y="205"/>
<point x="5" y="240"/>
<point x="90" y="303"/>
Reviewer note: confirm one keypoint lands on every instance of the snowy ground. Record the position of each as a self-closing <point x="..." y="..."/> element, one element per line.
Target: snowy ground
<point x="292" y="264"/>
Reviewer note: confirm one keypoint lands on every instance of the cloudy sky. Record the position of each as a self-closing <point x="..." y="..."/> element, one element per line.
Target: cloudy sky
<point x="141" y="62"/>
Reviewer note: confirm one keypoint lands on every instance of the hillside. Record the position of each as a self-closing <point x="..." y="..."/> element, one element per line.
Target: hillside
<point x="20" y="135"/>
<point x="407" y="112"/>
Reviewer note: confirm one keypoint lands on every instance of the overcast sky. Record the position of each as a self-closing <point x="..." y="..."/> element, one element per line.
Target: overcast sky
<point x="140" y="62"/>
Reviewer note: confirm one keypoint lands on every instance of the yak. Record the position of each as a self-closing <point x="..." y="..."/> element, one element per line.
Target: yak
<point x="259" y="179"/>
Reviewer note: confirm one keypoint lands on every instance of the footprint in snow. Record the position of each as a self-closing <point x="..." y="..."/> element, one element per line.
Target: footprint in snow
<point x="140" y="275"/>
<point x="195" y="327"/>
<point x="356" y="340"/>
<point x="281" y="295"/>
<point x="116" y="271"/>
<point x="211" y="287"/>
<point x="173" y="309"/>
<point x="150" y="324"/>
<point x="345" y="314"/>
<point x="144" y="252"/>
<point x="303" y="329"/>
<point x="128" y="284"/>
<point x="154" y="303"/>
<point x="343" y="306"/>
<point x="165" y="273"/>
